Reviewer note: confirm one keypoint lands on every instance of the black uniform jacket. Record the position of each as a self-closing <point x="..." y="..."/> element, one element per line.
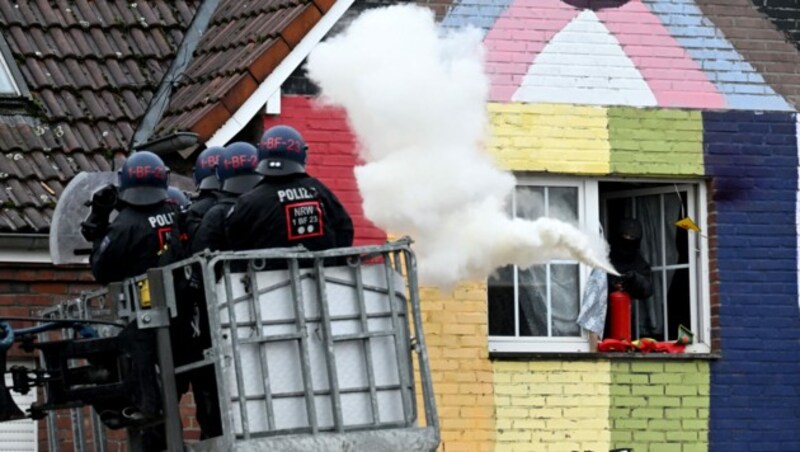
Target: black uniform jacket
<point x="289" y="211"/>
<point x="138" y="239"/>
<point x="196" y="211"/>
<point x="210" y="234"/>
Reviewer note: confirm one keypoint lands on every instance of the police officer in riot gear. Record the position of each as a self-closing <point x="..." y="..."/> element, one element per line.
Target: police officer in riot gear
<point x="236" y="173"/>
<point x="288" y="207"/>
<point x="205" y="179"/>
<point x="143" y="235"/>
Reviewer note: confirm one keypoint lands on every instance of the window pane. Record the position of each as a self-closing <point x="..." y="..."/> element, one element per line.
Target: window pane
<point x="6" y="84"/>
<point x="565" y="299"/>
<point x="501" y="302"/>
<point x="530" y="202"/>
<point x="533" y="301"/>
<point x="563" y="203"/>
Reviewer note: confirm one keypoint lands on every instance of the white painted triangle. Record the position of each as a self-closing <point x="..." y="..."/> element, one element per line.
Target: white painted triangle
<point x="584" y="64"/>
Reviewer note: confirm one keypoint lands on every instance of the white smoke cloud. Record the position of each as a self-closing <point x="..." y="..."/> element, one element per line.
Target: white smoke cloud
<point x="415" y="96"/>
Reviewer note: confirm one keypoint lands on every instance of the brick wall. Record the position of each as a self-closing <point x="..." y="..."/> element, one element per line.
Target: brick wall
<point x="552" y="405"/>
<point x="456" y="332"/>
<point x="549" y="137"/>
<point x="659" y="406"/>
<point x="760" y="37"/>
<point x="755" y="391"/>
<point x="655" y="142"/>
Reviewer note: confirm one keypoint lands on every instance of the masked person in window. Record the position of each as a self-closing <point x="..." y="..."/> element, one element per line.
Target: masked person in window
<point x="144" y="234"/>
<point x="288" y="207"/>
<point x="635" y="272"/>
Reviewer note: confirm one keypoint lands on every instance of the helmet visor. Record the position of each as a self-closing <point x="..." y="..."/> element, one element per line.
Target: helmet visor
<point x="241" y="184"/>
<point x="279" y="167"/>
<point x="143" y="196"/>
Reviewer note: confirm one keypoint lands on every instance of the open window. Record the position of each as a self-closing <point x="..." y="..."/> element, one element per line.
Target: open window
<point x="535" y="309"/>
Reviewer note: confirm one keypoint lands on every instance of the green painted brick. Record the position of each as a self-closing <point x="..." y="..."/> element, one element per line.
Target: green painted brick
<point x="696" y="447"/>
<point x="649" y="413"/>
<point x="647" y="435"/>
<point x="677" y="435"/>
<point x="664" y="424"/>
<point x="646" y="367"/>
<point x="631" y="424"/>
<point x="695" y="402"/>
<point x="665" y="447"/>
<point x="681" y="413"/>
<point x="621" y="436"/>
<point x="629" y="401"/>
<point x="631" y="378"/>
<point x="665" y="401"/>
<point x="648" y="390"/>
<point x="664" y="378"/>
<point x="702" y="413"/>
<point x="616" y="413"/>
<point x="696" y="378"/>
<point x="619" y="390"/>
<point x="689" y="367"/>
<point x="694" y="424"/>
<point x="681" y="390"/>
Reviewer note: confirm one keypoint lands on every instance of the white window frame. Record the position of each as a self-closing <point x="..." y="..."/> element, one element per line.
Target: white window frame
<point x="589" y="220"/>
<point x="5" y="73"/>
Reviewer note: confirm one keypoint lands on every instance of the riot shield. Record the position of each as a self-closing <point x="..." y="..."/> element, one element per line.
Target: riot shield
<point x="67" y="245"/>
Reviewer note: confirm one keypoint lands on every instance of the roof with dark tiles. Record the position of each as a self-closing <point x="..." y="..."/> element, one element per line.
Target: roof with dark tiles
<point x="92" y="68"/>
<point x="243" y="43"/>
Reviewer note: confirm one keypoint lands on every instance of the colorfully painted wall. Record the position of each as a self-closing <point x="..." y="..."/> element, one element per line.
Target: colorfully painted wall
<point x="644" y="88"/>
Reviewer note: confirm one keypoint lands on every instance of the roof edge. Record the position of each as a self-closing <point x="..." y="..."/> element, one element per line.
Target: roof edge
<point x="183" y="57"/>
<point x="255" y="102"/>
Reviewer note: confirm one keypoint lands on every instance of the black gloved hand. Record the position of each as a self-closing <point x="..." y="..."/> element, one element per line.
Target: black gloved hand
<point x="105" y="199"/>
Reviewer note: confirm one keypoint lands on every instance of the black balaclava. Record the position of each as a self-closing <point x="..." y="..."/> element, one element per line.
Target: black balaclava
<point x="626" y="241"/>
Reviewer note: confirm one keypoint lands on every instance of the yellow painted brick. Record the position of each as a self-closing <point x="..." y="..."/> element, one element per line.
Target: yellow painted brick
<point x="545" y="413"/>
<point x="587" y="366"/>
<point x="585" y="412"/>
<point x="545" y="366"/>
<point x="513" y="435"/>
<point x="476" y="388"/>
<point x="546" y="389"/>
<point x="585" y="388"/>
<point x="513" y="390"/>
<point x="509" y="367"/>
<point x="512" y="413"/>
<point x="463" y="352"/>
<point x="529" y="424"/>
<point x="528" y="377"/>
<point x="527" y="401"/>
<point x="572" y="401"/>
<point x="458" y="400"/>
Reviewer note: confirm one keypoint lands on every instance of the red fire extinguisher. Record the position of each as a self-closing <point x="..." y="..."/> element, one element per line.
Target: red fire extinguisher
<point x="619" y="305"/>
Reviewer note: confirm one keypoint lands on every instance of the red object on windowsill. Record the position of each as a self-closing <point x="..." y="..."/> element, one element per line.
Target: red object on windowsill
<point x="644" y="345"/>
<point x="619" y="306"/>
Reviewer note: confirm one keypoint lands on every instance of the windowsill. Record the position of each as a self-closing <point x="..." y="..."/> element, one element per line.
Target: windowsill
<point x="519" y="356"/>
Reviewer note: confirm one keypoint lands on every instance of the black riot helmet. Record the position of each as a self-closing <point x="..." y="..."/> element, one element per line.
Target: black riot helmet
<point x="204" y="171"/>
<point x="282" y="151"/>
<point x="143" y="179"/>
<point x="236" y="169"/>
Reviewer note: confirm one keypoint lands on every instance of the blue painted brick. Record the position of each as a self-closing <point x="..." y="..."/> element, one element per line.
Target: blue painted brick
<point x="755" y="389"/>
